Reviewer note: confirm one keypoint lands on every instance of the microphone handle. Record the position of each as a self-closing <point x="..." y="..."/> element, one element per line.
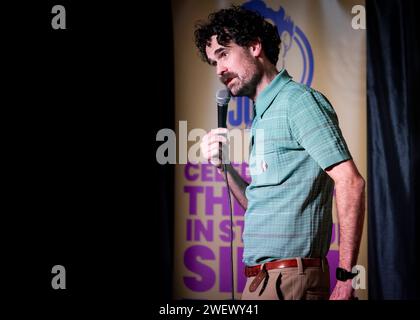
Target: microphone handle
<point x="221" y="115"/>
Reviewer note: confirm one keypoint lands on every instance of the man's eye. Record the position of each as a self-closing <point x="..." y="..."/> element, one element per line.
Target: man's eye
<point x="222" y="54"/>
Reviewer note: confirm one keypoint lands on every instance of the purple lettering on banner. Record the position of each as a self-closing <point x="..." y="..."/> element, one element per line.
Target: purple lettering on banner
<point x="205" y="278"/>
<point x="200" y="229"/>
<point x="225" y="270"/>
<point x="240" y="224"/>
<point x="188" y="175"/>
<point x="239" y="111"/>
<point x="225" y="231"/>
<point x="193" y="191"/>
<point x="241" y="279"/>
<point x="224" y="228"/>
<point x="212" y="200"/>
<point x="218" y="176"/>
<point x="189" y="229"/>
<point x="206" y="172"/>
<point x="332" y="256"/>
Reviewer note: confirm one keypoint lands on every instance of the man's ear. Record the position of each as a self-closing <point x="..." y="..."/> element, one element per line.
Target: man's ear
<point x="255" y="48"/>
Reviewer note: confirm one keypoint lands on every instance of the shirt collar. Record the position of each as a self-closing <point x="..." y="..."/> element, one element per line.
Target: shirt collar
<point x="266" y="97"/>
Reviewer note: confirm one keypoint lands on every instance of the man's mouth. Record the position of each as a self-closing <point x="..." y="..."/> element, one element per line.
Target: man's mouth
<point x="227" y="81"/>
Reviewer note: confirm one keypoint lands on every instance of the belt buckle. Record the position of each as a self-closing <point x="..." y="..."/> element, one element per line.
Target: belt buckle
<point x="258" y="278"/>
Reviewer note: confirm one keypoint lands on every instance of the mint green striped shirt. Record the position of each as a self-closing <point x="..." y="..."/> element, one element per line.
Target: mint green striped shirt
<point x="295" y="137"/>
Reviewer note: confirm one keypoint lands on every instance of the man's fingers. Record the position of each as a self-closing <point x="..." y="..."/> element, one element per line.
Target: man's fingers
<point x="211" y="142"/>
<point x="219" y="131"/>
<point x="216" y="162"/>
<point x="217" y="138"/>
<point x="211" y="145"/>
<point x="209" y="150"/>
<point x="214" y="153"/>
<point x="210" y="138"/>
<point x="206" y="147"/>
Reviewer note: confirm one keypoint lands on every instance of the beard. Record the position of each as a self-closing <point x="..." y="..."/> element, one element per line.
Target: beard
<point x="246" y="84"/>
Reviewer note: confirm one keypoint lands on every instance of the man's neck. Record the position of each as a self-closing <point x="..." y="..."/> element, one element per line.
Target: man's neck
<point x="269" y="74"/>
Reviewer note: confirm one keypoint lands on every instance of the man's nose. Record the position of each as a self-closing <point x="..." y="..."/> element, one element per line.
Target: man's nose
<point x="221" y="69"/>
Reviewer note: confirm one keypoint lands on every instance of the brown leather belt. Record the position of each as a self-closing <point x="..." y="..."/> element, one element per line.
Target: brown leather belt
<point x="279" y="264"/>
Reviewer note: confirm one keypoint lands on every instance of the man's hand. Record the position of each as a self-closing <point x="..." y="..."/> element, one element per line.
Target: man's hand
<point x="343" y="291"/>
<point x="211" y="146"/>
<point x="350" y="201"/>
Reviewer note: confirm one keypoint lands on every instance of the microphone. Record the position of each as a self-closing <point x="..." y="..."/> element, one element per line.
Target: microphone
<point x="222" y="99"/>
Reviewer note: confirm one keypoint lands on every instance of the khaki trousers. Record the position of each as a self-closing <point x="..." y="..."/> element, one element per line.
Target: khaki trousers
<point x="312" y="283"/>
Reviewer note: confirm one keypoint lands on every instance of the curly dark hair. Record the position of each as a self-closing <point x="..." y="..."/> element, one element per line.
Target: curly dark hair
<point x="240" y="25"/>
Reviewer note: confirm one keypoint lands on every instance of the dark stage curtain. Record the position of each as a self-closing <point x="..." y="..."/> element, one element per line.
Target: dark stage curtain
<point x="161" y="92"/>
<point x="393" y="154"/>
<point x="84" y="189"/>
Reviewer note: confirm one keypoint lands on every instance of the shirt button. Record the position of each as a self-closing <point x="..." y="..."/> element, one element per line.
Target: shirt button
<point x="264" y="166"/>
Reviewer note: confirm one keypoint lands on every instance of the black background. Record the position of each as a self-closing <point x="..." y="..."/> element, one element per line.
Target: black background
<point x="80" y="112"/>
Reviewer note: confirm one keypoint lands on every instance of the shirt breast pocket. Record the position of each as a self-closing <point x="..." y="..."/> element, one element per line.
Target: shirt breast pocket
<point x="264" y="162"/>
<point x="264" y="169"/>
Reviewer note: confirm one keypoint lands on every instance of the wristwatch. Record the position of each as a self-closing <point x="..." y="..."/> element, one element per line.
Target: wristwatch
<point x="344" y="275"/>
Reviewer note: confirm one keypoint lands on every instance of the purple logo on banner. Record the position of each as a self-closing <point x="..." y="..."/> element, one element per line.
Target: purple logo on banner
<point x="290" y="34"/>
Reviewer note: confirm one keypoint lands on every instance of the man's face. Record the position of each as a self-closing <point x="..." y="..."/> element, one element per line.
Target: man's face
<point x="236" y="67"/>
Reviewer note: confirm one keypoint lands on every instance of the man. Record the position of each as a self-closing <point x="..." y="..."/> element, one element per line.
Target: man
<point x="288" y="203"/>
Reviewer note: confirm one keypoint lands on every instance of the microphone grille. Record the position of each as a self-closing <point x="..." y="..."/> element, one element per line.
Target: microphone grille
<point x="222" y="96"/>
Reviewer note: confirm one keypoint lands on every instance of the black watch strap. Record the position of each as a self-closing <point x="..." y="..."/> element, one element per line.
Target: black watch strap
<point x="344" y="275"/>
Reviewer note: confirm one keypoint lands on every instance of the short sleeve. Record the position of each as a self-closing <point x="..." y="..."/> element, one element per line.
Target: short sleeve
<point x="314" y="124"/>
